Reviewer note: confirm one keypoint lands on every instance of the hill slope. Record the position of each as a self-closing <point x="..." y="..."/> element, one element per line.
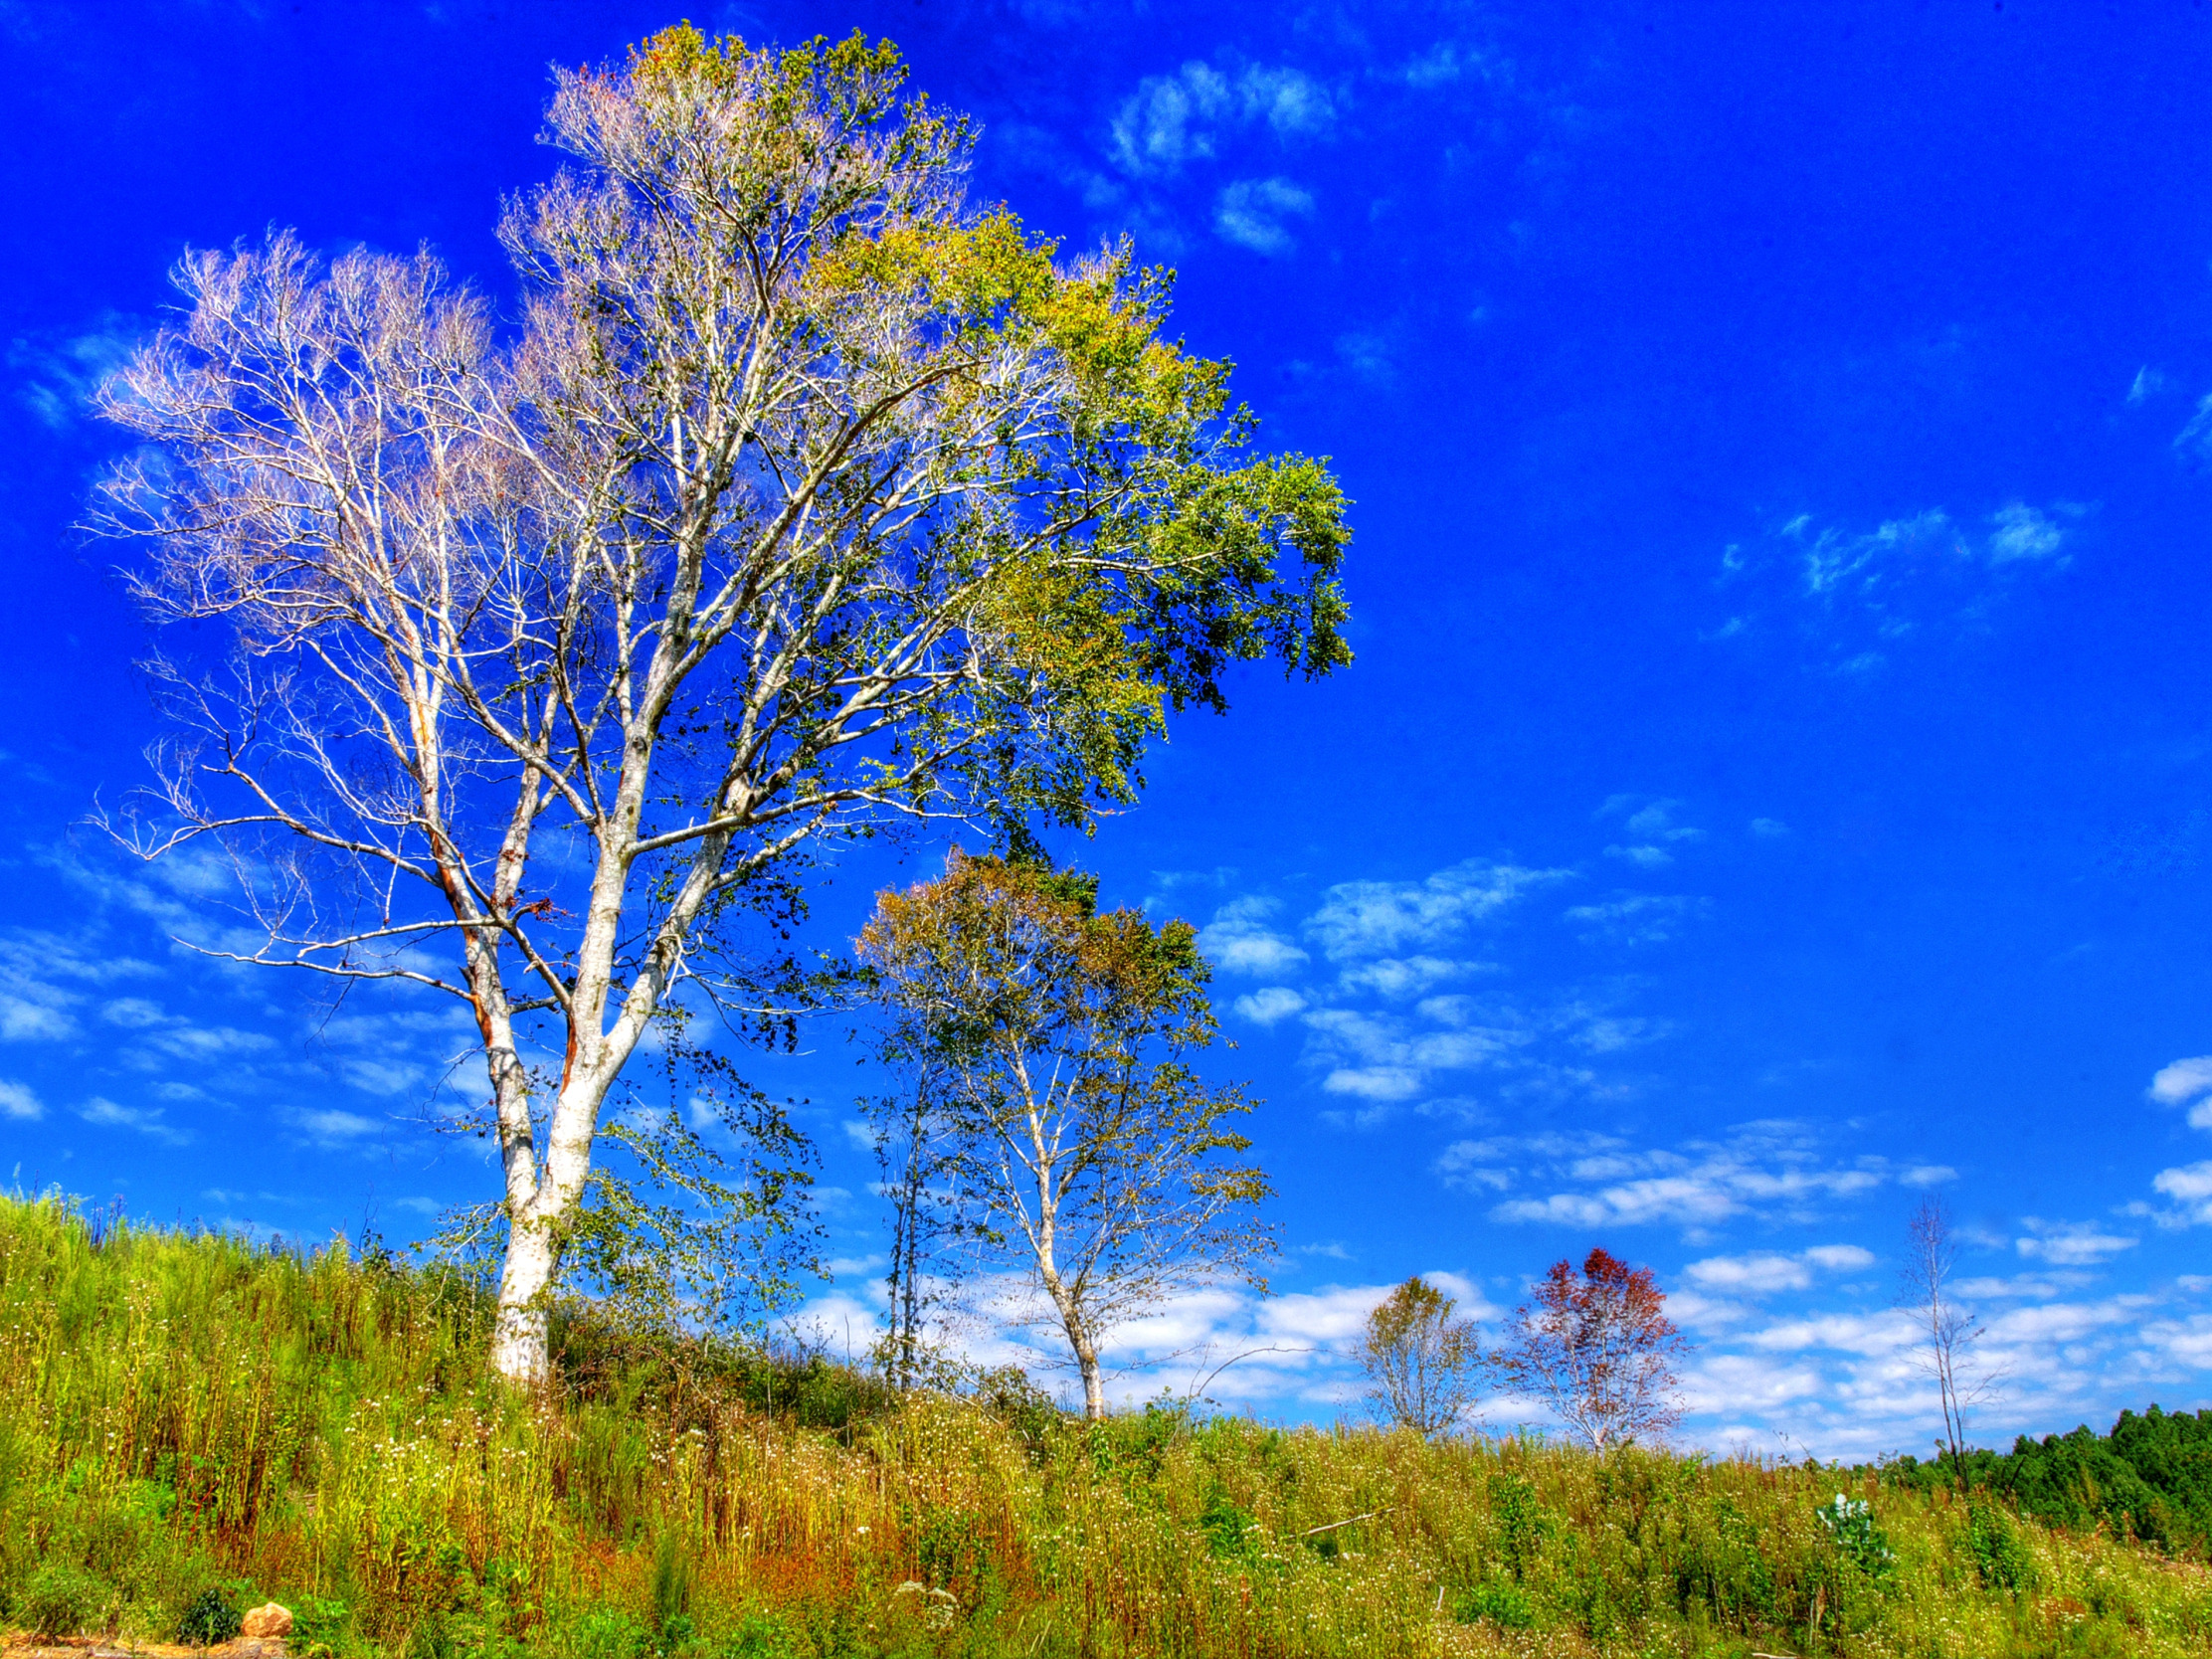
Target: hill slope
<point x="182" y="1414"/>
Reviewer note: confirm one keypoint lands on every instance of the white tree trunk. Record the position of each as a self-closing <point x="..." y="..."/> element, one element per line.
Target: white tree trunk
<point x="1094" y="1382"/>
<point x="519" y="1340"/>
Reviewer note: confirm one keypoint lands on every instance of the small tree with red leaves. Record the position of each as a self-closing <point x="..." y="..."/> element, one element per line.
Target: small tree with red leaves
<point x="1597" y="1347"/>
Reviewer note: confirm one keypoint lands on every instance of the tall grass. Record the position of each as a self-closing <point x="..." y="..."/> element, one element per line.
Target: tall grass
<point x="182" y="1413"/>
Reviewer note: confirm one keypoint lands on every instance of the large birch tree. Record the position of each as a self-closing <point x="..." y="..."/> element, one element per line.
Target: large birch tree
<point x="802" y="498"/>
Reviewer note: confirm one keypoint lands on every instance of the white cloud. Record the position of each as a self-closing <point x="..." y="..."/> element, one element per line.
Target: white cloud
<point x="1638" y="918"/>
<point x="1649" y="818"/>
<point x="1769" y="827"/>
<point x="2183" y="1080"/>
<point x="208" y="1043"/>
<point x="145" y="1120"/>
<point x="1840" y="1258"/>
<point x="1738" y="1383"/>
<point x="1289" y="101"/>
<point x="1774" y="1170"/>
<point x="2043" y="1287"/>
<point x="1396" y="978"/>
<point x="2192" y="1186"/>
<point x="1238" y="941"/>
<point x="31" y="1012"/>
<point x="1371" y="355"/>
<point x="1164" y="122"/>
<point x="1763" y="1271"/>
<point x="1383" y="918"/>
<point x="1374" y="1083"/>
<point x="61" y="373"/>
<point x="2197" y="434"/>
<point x="1270" y="1005"/>
<point x="2068" y="1243"/>
<point x="2022" y="533"/>
<point x="1754" y="1274"/>
<point x="1926" y="1175"/>
<point x="1171" y="120"/>
<point x="329" y="1126"/>
<point x="19" y="1103"/>
<point x="1255" y="214"/>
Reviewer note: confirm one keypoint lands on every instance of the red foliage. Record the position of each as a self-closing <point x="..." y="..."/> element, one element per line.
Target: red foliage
<point x="1597" y="1347"/>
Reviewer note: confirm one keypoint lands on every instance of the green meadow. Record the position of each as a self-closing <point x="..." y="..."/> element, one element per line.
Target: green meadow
<point x="189" y="1422"/>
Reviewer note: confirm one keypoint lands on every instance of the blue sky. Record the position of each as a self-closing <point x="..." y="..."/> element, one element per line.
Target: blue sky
<point x="1774" y="779"/>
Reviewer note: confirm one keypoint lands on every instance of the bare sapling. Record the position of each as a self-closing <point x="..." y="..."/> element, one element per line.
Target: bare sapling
<point x="1947" y="1331"/>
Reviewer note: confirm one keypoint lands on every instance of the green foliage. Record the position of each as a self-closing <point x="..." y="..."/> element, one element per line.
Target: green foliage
<point x="61" y="1599"/>
<point x="2150" y="1478"/>
<point x="605" y="1633"/>
<point x="210" y="1618"/>
<point x="672" y="1576"/>
<point x="321" y="1625"/>
<point x="1850" y="1522"/>
<point x="2001" y="1560"/>
<point x="1506" y="1606"/>
<point x="1230" y="1529"/>
<point x="759" y="1636"/>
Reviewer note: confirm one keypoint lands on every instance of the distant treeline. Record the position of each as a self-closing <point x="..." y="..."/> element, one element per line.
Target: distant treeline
<point x="2150" y="1478"/>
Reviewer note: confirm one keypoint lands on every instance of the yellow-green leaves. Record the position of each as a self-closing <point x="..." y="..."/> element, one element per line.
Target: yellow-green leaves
<point x="1054" y="1045"/>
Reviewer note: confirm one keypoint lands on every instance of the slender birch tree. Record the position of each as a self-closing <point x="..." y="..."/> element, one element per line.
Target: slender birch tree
<point x="1080" y="1146"/>
<point x="804" y="499"/>
<point x="1424" y="1363"/>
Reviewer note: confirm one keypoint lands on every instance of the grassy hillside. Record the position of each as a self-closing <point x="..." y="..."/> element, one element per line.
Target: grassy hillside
<point x="181" y="1415"/>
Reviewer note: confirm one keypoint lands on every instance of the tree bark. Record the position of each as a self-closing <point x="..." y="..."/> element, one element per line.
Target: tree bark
<point x="518" y="1343"/>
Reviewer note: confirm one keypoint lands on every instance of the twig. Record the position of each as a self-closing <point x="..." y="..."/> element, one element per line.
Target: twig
<point x="1353" y="1520"/>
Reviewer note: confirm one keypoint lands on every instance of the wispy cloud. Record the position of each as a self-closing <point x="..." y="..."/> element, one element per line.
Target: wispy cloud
<point x="1655" y="832"/>
<point x="1763" y="1271"/>
<point x="1638" y="918"/>
<point x="1173" y="120"/>
<point x="1358" y="919"/>
<point x="18" y="1102"/>
<point x="56" y="374"/>
<point x="1862" y="593"/>
<point x="146" y="1120"/>
<point x="1270" y="1005"/>
<point x="1256" y="214"/>
<point x="1775" y="1170"/>
<point x="1238" y="940"/>
<point x="2070" y="1243"/>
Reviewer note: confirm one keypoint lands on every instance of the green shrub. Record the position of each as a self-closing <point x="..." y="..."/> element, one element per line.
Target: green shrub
<point x="1228" y="1527"/>
<point x="1849" y="1523"/>
<point x="61" y="1601"/>
<point x="604" y="1633"/>
<point x="759" y="1636"/>
<point x="671" y="1591"/>
<point x="320" y="1625"/>
<point x="2001" y="1560"/>
<point x="1504" y="1606"/>
<point x="210" y="1618"/>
